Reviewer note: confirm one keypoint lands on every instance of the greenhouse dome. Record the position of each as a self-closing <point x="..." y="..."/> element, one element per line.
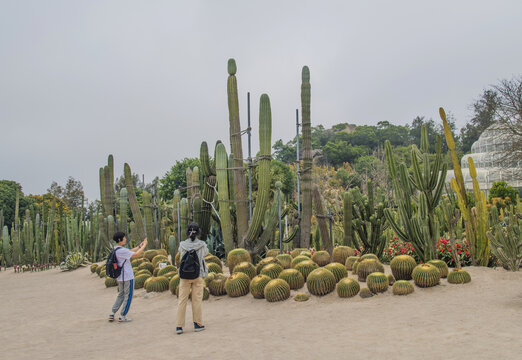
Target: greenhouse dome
<point x="487" y="155"/>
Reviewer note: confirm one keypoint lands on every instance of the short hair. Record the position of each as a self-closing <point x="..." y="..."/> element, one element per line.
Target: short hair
<point x="118" y="236"/>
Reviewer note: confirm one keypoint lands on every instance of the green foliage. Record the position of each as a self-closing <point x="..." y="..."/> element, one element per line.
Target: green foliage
<point x="176" y="178"/>
<point x="501" y="189"/>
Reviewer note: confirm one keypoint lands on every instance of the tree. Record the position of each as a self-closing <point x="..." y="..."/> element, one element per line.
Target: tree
<point x="339" y="151"/>
<point x="285" y="152"/>
<point x="484" y="112"/>
<point x="415" y="132"/>
<point x="176" y="178"/>
<point x="55" y="190"/>
<point x="501" y="189"/>
<point x="8" y="191"/>
<point x="73" y="194"/>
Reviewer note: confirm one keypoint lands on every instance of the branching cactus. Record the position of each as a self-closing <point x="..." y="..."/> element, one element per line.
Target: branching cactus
<point x="417" y="224"/>
<point x="133" y="201"/>
<point x="306" y="177"/>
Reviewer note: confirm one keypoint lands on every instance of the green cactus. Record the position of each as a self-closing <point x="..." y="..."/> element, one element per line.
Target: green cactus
<point x="377" y="282"/>
<point x="391" y="279"/>
<point x="174" y="284"/>
<point x="124" y="208"/>
<point x="341" y="253"/>
<point x="321" y="219"/>
<point x="271" y="270"/>
<point x="402" y="287"/>
<point x="350" y="261"/>
<point x="133" y="202"/>
<point x="237" y="256"/>
<point x="213" y="259"/>
<point x="277" y="290"/>
<point x="159" y="258"/>
<point x="506" y="241"/>
<point x="459" y="276"/>
<point x="224" y="198"/>
<point x="306" y="171"/>
<point x="139" y="280"/>
<point x="167" y="269"/>
<point x="272" y="253"/>
<point x="142" y="272"/>
<point x="301" y="297"/>
<point x="347" y="220"/>
<point x="157" y="284"/>
<point x="149" y="220"/>
<point x="293" y="278"/>
<point x="285" y="260"/>
<point x="264" y="262"/>
<point x="441" y="266"/>
<point x="6" y="246"/>
<point x="147" y="266"/>
<point x="320" y="282"/>
<point x="184" y="216"/>
<point x="296" y="252"/>
<point x="110" y="282"/>
<point x="214" y="268"/>
<point x="402" y="266"/>
<point x="366" y="267"/>
<point x="338" y="270"/>
<point x="108" y="188"/>
<point x="238" y="284"/>
<point x="426" y="275"/>
<point x="217" y="286"/>
<point x="347" y="288"/>
<point x="365" y="293"/>
<point x="321" y="258"/>
<point x="206" y="207"/>
<point x="247" y="268"/>
<point x="257" y="286"/>
<point x="306" y="267"/>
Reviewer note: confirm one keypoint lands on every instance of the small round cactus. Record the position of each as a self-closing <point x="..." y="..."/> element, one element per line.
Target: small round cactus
<point x="285" y="260"/>
<point x="238" y="284"/>
<point x="402" y="267"/>
<point x="102" y="273"/>
<point x="139" y="280"/>
<point x="369" y="256"/>
<point x="377" y="282"/>
<point x="341" y="253"/>
<point x="350" y="261"/>
<point x="338" y="270"/>
<point x="143" y="272"/>
<point x="237" y="256"/>
<point x="441" y="265"/>
<point x="391" y="279"/>
<point x="158" y="259"/>
<point x="167" y="269"/>
<point x="272" y="270"/>
<point x="213" y="259"/>
<point x="321" y="258"/>
<point x="138" y="261"/>
<point x="296" y="252"/>
<point x="162" y="252"/>
<point x="209" y="278"/>
<point x="110" y="282"/>
<point x="257" y="286"/>
<point x="459" y="276"/>
<point x="366" y="267"/>
<point x="264" y="262"/>
<point x="272" y="253"/>
<point x="157" y="284"/>
<point x="306" y="253"/>
<point x="365" y="293"/>
<point x="170" y="275"/>
<point x="277" y="290"/>
<point x="320" y="282"/>
<point x="147" y="266"/>
<point x="301" y="297"/>
<point x="402" y="287"/>
<point x="354" y="266"/>
<point x="217" y="285"/>
<point x="247" y="268"/>
<point x="298" y="259"/>
<point x="174" y="284"/>
<point x="150" y="254"/>
<point x="94" y="267"/>
<point x="214" y="268"/>
<point x="426" y="275"/>
<point x="306" y="267"/>
<point x="177" y="259"/>
<point x="99" y="268"/>
<point x="347" y="288"/>
<point x="293" y="277"/>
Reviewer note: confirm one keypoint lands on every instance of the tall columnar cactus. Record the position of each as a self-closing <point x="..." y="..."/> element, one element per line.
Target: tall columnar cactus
<point x="206" y="207"/>
<point x="175" y="201"/>
<point x="306" y="177"/>
<point x="184" y="217"/>
<point x="236" y="148"/>
<point x="195" y="182"/>
<point x="204" y="160"/>
<point x="133" y="201"/>
<point x="417" y="224"/>
<point x="368" y="219"/>
<point x="149" y="221"/>
<point x="124" y="206"/>
<point x="108" y="188"/>
<point x="263" y="170"/>
<point x="321" y="216"/>
<point x="506" y="241"/>
<point x="6" y="246"/>
<point x="347" y="220"/>
<point x="223" y="197"/>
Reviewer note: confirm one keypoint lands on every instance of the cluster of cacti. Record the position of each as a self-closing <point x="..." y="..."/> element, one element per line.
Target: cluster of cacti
<point x="425" y="275"/>
<point x="298" y="259"/>
<point x="402" y="266"/>
<point x="237" y="256"/>
<point x="285" y="260"/>
<point x="301" y="297"/>
<point x="342" y="253"/>
<point x="93" y="267"/>
<point x="74" y="260"/>
<point x="338" y="270"/>
<point x="320" y="215"/>
<point x="214" y="268"/>
<point x="441" y="266"/>
<point x="174" y="284"/>
<point x="350" y="261"/>
<point x="277" y="290"/>
<point x="321" y="258"/>
<point x="150" y="254"/>
<point x="293" y="277"/>
<point x="506" y="241"/>
<point x="217" y="285"/>
<point x="296" y="252"/>
<point x="320" y="282"/>
<point x="139" y="280"/>
<point x="306" y="267"/>
<point x="272" y="253"/>
<point x="347" y="288"/>
<point x="257" y="286"/>
<point x="213" y="259"/>
<point x="238" y="284"/>
<point x="268" y="260"/>
<point x="157" y="284"/>
<point x="167" y="269"/>
<point x="271" y="270"/>
<point x="147" y="266"/>
<point x="366" y="267"/>
<point x="247" y="268"/>
<point x="159" y="259"/>
<point x="459" y="276"/>
<point x="402" y="287"/>
<point x="377" y="282"/>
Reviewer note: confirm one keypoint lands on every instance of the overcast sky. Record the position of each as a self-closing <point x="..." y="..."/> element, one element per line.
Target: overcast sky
<point x="146" y="80"/>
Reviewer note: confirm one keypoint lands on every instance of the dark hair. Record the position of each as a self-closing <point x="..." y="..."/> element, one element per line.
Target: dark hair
<point x="193" y="230"/>
<point x="118" y="236"/>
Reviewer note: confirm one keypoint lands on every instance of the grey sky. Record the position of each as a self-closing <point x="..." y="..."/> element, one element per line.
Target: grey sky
<point x="146" y="80"/>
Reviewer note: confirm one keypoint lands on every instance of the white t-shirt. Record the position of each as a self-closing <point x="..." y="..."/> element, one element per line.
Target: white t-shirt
<point x="124" y="254"/>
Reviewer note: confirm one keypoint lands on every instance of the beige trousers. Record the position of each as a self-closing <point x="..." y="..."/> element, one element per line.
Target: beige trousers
<point x="185" y="287"/>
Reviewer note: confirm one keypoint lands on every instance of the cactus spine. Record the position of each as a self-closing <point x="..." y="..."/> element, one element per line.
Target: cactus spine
<point x="306" y="178"/>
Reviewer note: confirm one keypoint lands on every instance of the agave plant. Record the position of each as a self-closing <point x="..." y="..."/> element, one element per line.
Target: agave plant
<point x="74" y="260"/>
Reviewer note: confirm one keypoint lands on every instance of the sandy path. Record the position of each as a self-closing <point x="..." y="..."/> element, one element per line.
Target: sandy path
<point x="51" y="315"/>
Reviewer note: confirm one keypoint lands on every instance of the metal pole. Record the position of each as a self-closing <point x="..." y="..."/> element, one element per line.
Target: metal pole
<point x="279" y="219"/>
<point x="298" y="176"/>
<point x="249" y="161"/>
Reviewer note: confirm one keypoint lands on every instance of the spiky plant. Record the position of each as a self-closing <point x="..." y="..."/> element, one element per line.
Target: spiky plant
<point x="296" y="252"/>
<point x="377" y="282"/>
<point x="366" y="267"/>
<point x="102" y="273"/>
<point x="441" y="265"/>
<point x="139" y="280"/>
<point x="209" y="278"/>
<point x="341" y="253"/>
<point x="264" y="262"/>
<point x="350" y="261"/>
<point x="402" y="266"/>
<point x="301" y="297"/>
<point x="237" y="256"/>
<point x="150" y="254"/>
<point x="146" y="266"/>
<point x="214" y="268"/>
<point x="338" y="270"/>
<point x="272" y="270"/>
<point x="143" y="272"/>
<point x="277" y="290"/>
<point x="426" y="275"/>
<point x="298" y="259"/>
<point x="306" y="267"/>
<point x="306" y="253"/>
<point x="391" y="279"/>
<point x="157" y="284"/>
<point x="159" y="259"/>
<point x="320" y="282"/>
<point x="369" y="256"/>
<point x="138" y="261"/>
<point x="247" y="268"/>
<point x="162" y="252"/>
<point x="177" y="259"/>
<point x="285" y="260"/>
<point x="99" y="268"/>
<point x="213" y="259"/>
<point x="238" y="284"/>
<point x="272" y="253"/>
<point x="257" y="286"/>
<point x="173" y="284"/>
<point x="110" y="282"/>
<point x="306" y="177"/>
<point x="94" y="267"/>
<point x="347" y="288"/>
<point x="365" y="293"/>
<point x="293" y="277"/>
<point x="170" y="275"/>
<point x="459" y="276"/>
<point x="402" y="287"/>
<point x="167" y="269"/>
<point x="321" y="258"/>
<point x="217" y="285"/>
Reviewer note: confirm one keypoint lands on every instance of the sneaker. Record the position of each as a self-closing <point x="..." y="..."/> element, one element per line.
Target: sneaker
<point x="198" y="327"/>
<point x="124" y="319"/>
<point x="111" y="317"/>
<point x="179" y="330"/>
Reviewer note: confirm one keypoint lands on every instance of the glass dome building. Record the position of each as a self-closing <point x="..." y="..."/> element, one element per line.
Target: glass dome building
<point x="487" y="154"/>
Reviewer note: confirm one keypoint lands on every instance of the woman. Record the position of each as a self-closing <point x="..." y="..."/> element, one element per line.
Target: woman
<point x="192" y="270"/>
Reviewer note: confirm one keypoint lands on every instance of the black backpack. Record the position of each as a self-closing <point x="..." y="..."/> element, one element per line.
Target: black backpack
<point x="189" y="267"/>
<point x="111" y="268"/>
